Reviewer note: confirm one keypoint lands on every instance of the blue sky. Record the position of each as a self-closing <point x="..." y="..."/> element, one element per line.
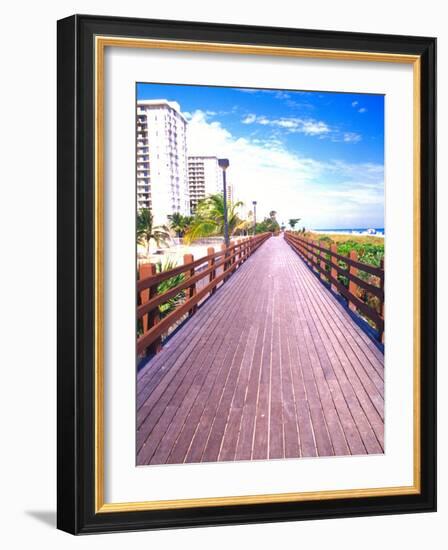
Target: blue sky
<point x="314" y="155"/>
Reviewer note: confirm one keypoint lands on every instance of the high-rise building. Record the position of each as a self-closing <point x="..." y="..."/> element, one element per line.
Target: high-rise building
<point x="162" y="172"/>
<point x="204" y="178"/>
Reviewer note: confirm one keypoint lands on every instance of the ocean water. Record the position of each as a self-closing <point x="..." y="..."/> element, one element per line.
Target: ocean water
<point x="375" y="231"/>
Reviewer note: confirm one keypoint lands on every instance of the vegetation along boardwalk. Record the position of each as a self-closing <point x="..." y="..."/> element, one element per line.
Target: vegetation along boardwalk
<point x="271" y="366"/>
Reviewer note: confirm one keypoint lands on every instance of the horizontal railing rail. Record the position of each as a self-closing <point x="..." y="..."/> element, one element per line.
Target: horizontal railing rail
<point x="326" y="262"/>
<point x="210" y="270"/>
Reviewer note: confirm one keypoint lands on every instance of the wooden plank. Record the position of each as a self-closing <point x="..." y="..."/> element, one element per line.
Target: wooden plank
<point x="233" y="424"/>
<point x="260" y="448"/>
<point x="291" y="439"/>
<point x="246" y="436"/>
<point x="276" y="434"/>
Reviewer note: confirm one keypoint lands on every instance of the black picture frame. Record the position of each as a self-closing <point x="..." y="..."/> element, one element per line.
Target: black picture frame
<point x="76" y="256"/>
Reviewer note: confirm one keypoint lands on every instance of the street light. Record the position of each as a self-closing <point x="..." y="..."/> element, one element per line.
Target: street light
<point x="255" y="215"/>
<point x="224" y="164"/>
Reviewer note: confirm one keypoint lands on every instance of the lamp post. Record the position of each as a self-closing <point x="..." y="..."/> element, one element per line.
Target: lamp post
<point x="255" y="215"/>
<point x="224" y="164"/>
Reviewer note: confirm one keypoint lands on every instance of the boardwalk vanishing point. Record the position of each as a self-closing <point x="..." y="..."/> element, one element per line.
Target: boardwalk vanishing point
<point x="271" y="366"/>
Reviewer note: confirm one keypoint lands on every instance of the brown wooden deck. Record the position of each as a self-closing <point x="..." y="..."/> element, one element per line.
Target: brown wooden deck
<point x="271" y="366"/>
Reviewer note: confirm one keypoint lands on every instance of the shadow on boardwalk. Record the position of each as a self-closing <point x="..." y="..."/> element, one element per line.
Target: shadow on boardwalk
<point x="271" y="366"/>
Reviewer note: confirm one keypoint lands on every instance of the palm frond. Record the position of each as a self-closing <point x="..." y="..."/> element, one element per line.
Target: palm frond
<point x="200" y="229"/>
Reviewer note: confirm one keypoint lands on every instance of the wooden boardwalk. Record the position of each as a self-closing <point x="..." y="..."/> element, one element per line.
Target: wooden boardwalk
<point x="271" y="366"/>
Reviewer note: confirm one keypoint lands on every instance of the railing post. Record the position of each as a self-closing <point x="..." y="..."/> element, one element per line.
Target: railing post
<point x="153" y="317"/>
<point x="191" y="291"/>
<point x="308" y="253"/>
<point x="313" y="244"/>
<point x="352" y="287"/>
<point x="333" y="271"/>
<point x="323" y="262"/>
<point x="144" y="271"/>
<point x="211" y="263"/>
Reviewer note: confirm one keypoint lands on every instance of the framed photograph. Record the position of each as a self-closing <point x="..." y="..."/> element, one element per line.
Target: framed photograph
<point x="246" y="274"/>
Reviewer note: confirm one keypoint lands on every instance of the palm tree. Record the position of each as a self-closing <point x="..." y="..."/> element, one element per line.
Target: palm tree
<point x="246" y="226"/>
<point x="272" y="215"/>
<point x="209" y="218"/>
<point x="179" y="223"/>
<point x="293" y="222"/>
<point x="147" y="232"/>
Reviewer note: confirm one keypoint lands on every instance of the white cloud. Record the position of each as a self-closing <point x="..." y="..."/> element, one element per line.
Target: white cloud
<point x="249" y="119"/>
<point x="308" y="127"/>
<point x="351" y="137"/>
<point x="361" y="109"/>
<point x="323" y="194"/>
<point x="311" y="127"/>
<point x="280" y="94"/>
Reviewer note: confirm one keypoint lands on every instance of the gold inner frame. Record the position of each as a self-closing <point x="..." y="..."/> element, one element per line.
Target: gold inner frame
<point x="101" y="42"/>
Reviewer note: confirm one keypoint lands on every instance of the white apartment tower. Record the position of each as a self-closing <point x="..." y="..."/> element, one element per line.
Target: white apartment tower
<point x="204" y="178"/>
<point x="162" y="177"/>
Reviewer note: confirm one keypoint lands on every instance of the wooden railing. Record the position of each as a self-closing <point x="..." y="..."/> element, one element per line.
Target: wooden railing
<point x="326" y="261"/>
<point x="200" y="280"/>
